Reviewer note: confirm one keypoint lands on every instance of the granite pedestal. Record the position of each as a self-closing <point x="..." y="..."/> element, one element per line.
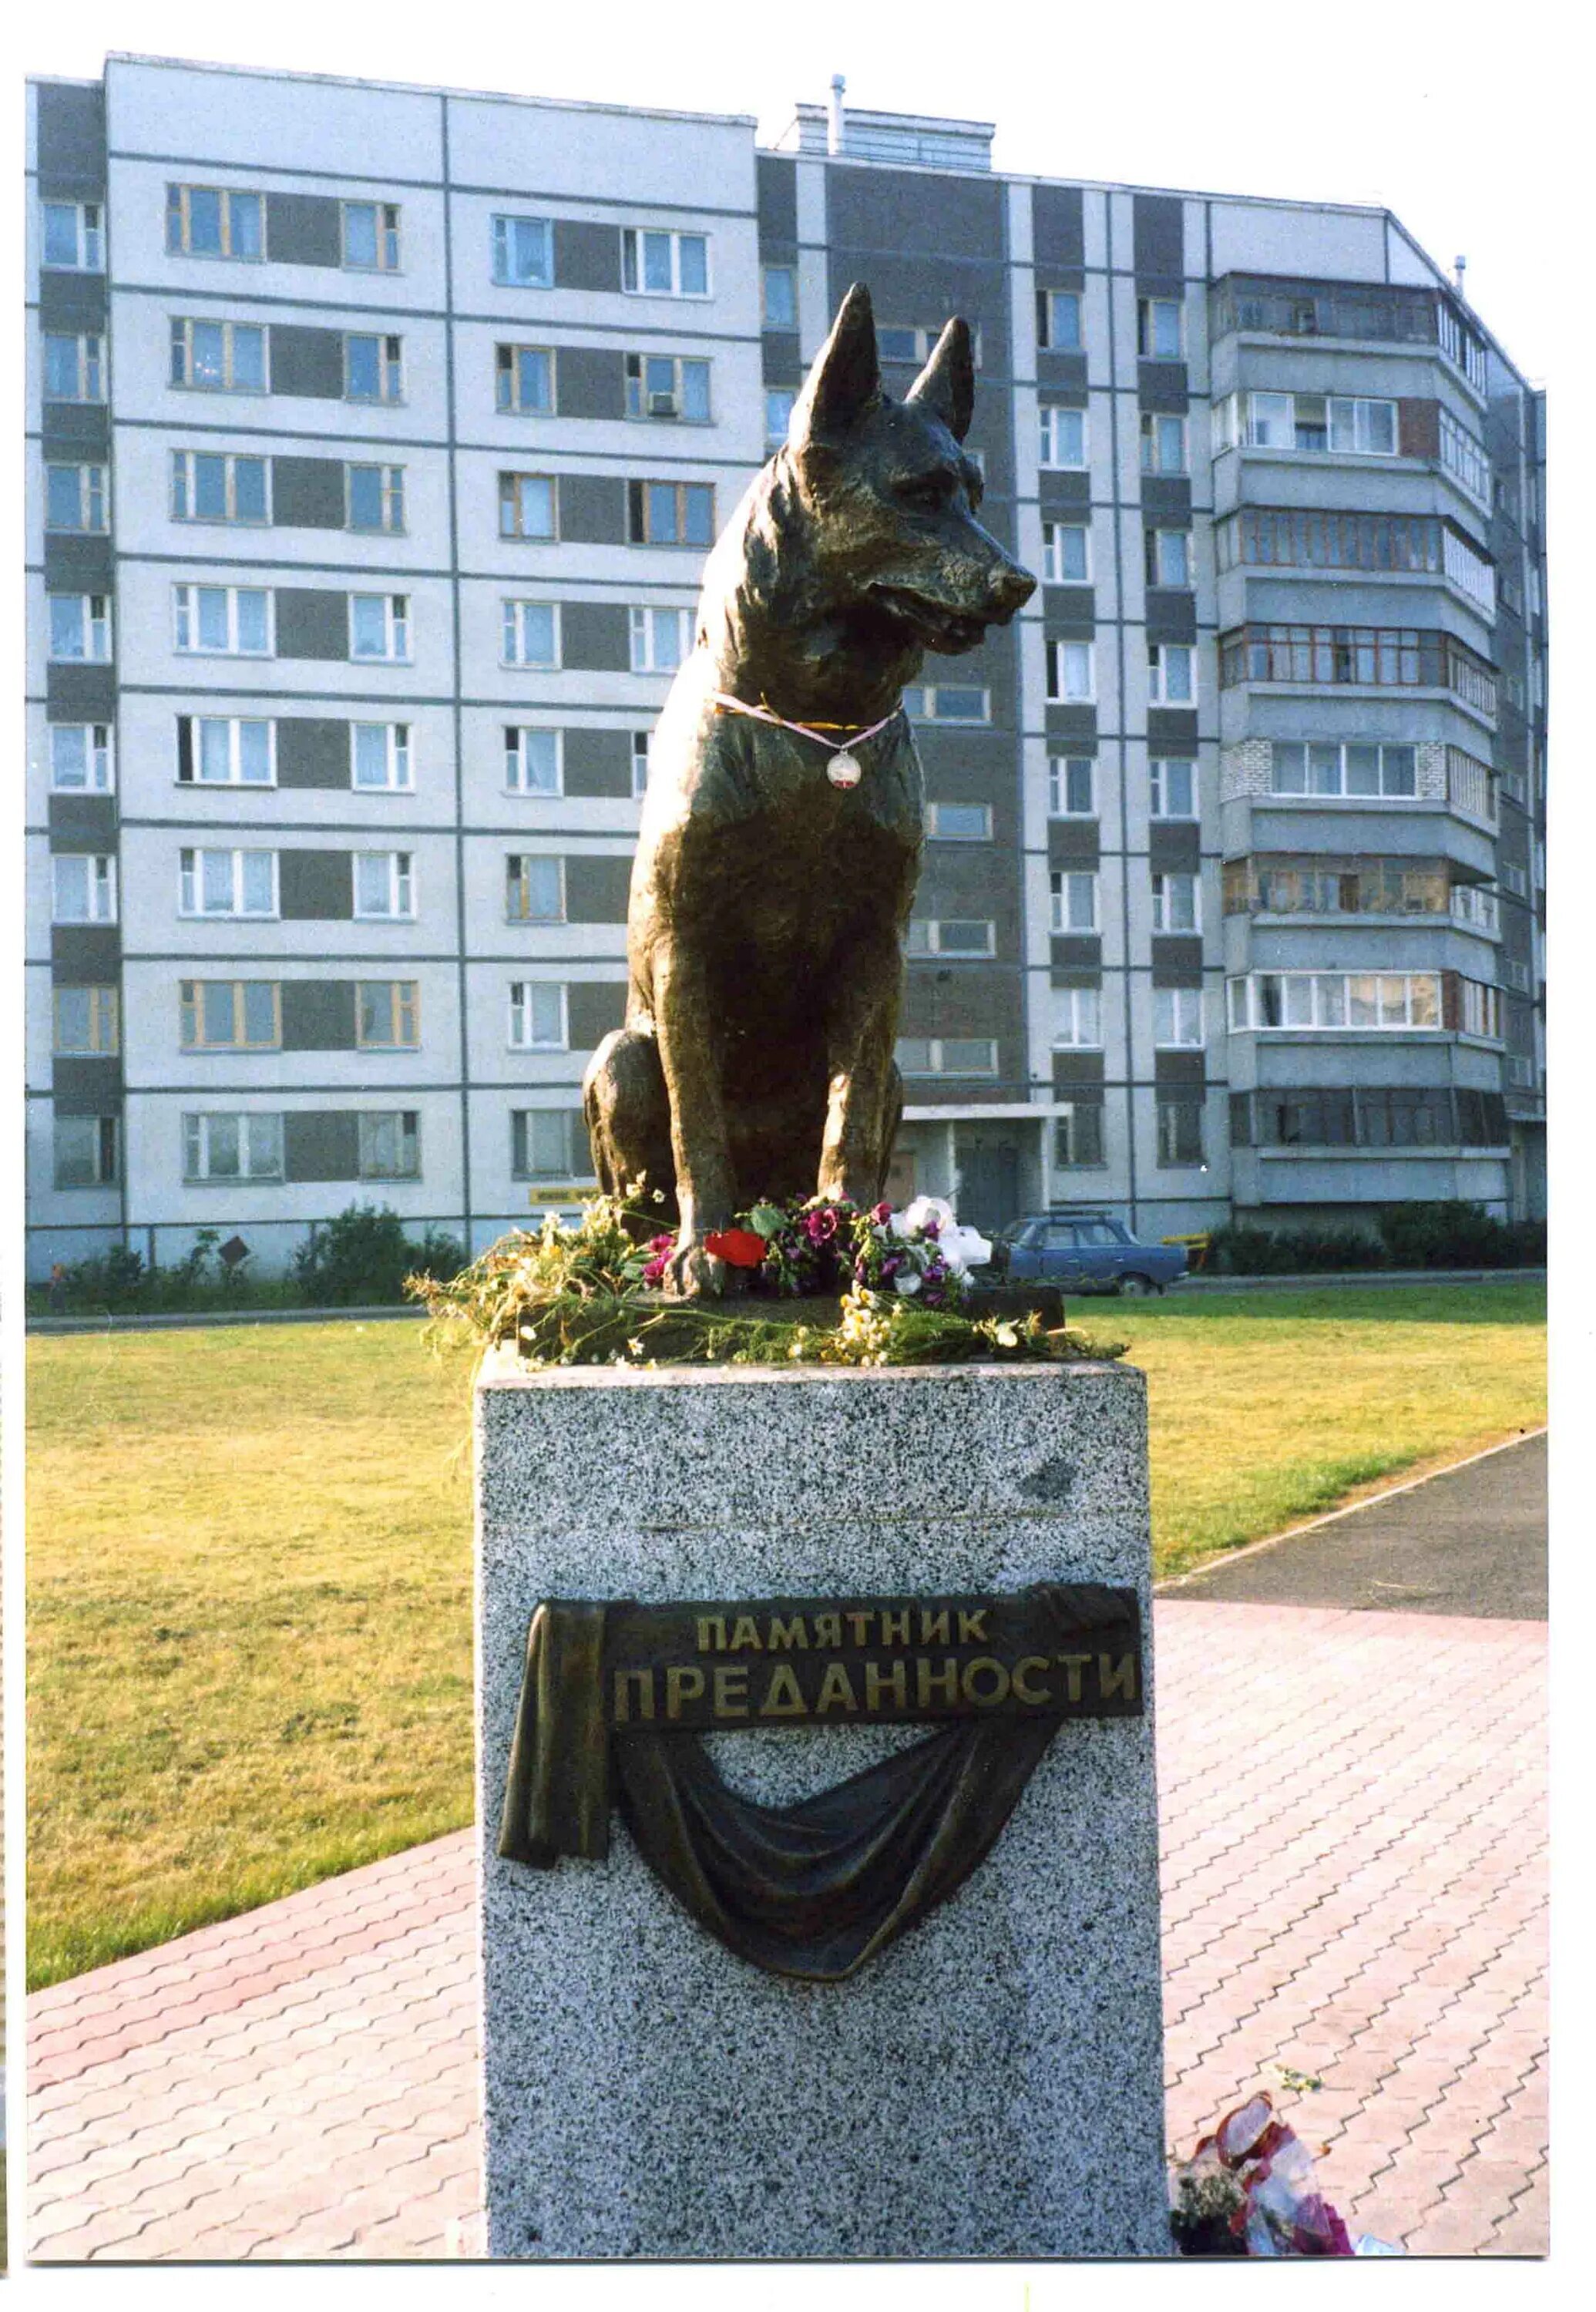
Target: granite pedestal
<point x="991" y="2084"/>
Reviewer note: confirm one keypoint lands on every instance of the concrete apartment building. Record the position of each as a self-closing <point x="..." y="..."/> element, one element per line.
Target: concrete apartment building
<point x="376" y="437"/>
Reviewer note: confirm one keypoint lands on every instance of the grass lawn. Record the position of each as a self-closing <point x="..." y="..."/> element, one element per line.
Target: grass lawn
<point x="248" y="1565"/>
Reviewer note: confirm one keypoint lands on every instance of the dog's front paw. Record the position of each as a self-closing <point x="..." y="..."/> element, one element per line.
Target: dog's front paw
<point x="692" y="1273"/>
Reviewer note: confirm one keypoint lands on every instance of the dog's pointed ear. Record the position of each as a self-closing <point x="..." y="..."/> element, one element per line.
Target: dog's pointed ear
<point x="846" y="376"/>
<point x="947" y="384"/>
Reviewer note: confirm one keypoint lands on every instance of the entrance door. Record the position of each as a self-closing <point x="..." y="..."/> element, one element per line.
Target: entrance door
<point x="899" y="1190"/>
<point x="988" y="1184"/>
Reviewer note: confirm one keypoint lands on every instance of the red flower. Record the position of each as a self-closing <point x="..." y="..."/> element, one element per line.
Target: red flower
<point x="738" y="1248"/>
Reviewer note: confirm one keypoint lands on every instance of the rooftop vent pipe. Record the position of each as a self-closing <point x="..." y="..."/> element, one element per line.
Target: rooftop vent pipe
<point x="834" y="114"/>
<point x="1460" y="265"/>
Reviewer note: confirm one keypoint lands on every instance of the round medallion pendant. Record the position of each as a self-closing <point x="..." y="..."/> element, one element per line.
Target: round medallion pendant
<point x="844" y="770"/>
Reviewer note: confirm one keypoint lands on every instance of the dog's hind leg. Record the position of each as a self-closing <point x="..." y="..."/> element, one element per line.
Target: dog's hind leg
<point x="628" y="1120"/>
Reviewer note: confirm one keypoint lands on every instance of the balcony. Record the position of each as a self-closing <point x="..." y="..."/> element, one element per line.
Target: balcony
<point x="1369" y="1116"/>
<point x="1402" y="658"/>
<point x="1275" y="884"/>
<point x="1397" y="545"/>
<point x="1362" y="312"/>
<point x="1363" y="1002"/>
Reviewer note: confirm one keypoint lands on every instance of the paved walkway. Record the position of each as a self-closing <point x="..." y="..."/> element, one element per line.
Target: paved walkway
<point x="1354" y="1888"/>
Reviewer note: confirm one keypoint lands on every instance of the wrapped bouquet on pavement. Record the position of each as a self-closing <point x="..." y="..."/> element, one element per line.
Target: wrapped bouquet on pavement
<point x="1249" y="2189"/>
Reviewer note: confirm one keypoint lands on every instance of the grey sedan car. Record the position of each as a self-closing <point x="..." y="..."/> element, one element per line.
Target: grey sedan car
<point x="1085" y="1250"/>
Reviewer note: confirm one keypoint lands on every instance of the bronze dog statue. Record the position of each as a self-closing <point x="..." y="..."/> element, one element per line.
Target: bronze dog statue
<point x="777" y="864"/>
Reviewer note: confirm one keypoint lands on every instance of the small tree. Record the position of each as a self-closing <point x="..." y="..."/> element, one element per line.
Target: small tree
<point x="363" y="1255"/>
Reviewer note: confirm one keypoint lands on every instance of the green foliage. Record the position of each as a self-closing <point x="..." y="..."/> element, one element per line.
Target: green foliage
<point x="1245" y="1251"/>
<point x="1440" y="1235"/>
<point x="362" y="1257"/>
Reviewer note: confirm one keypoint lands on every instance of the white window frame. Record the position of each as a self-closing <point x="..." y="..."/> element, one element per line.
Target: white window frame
<point x="1072" y="672"/>
<point x="399" y="873"/>
<point x="514" y="632"/>
<point x="1308" y="792"/>
<point x="640" y="757"/>
<point x="1154" y="432"/>
<point x="183" y="327"/>
<point x="390" y="368"/>
<point x="927" y="935"/>
<point x="385" y="237"/>
<point x="192" y="1035"/>
<point x="515" y="864"/>
<point x="191" y="879"/>
<point x="234" y="724"/>
<point x="1244" y="1007"/>
<point x="513" y="495"/>
<point x="1462" y="455"/>
<point x="641" y="395"/>
<point x="1059" y="768"/>
<point x="1071" y="900"/>
<point x="775" y="435"/>
<point x="507" y="378"/>
<point x="504" y="236"/>
<point x="93" y="498"/>
<point x="257" y="1161"/>
<point x="89" y="360"/>
<point x="100" y="886"/>
<point x="1054" y="573"/>
<point x="936" y="1049"/>
<point x="391" y="493"/>
<point x="574" y="1164"/>
<point x="1160" y="909"/>
<point x="1148" y="310"/>
<point x="100" y="759"/>
<point x="184" y="498"/>
<point x="924" y="702"/>
<point x="95" y="628"/>
<point x="1050" y="448"/>
<point x="396" y="631"/>
<point x="399" y="758"/>
<point x="517" y="756"/>
<point x="88" y="232"/>
<point x="1159" y="802"/>
<point x="632" y="262"/>
<point x="1158" y="688"/>
<point x="403" y="1004"/>
<point x="102" y="1039"/>
<point x="227" y="195"/>
<point x="185" y="603"/>
<point x="644" y="629"/>
<point x="1077" y="1014"/>
<point x="520" y="1033"/>
<point x="373" y="1125"/>
<point x="1177" y="1012"/>
<point x="936" y="826"/>
<point x="1157" y="542"/>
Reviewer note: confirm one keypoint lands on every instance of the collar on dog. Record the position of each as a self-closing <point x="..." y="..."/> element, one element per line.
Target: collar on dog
<point x="844" y="769"/>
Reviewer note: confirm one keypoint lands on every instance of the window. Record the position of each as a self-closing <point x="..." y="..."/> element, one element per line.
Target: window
<point x="639" y="764"/>
<point x="523" y="379"/>
<point x="225" y="620"/>
<point x="947" y="1056"/>
<point x="390" y="1144"/>
<point x="779" y="403"/>
<point x="530" y="634"/>
<point x="1386" y="657"/>
<point x="1067" y="553"/>
<point x="959" y="823"/>
<point x="668" y="385"/>
<point x="1078" y="1135"/>
<point x="1073" y="901"/>
<point x="527" y="505"/>
<point x="233" y="1147"/>
<point x="1163" y="443"/>
<point x="1314" y="422"/>
<point x="1336" y="1000"/>
<point x="1366" y="426"/>
<point x="386" y="1015"/>
<point x="1062" y="438"/>
<point x="524" y="252"/>
<point x="87" y="1022"/>
<point x="86" y="1152"/>
<point x="1071" y="783"/>
<point x="80" y="628"/>
<point x="665" y="263"/>
<point x="1160" y="329"/>
<point x="371" y="237"/>
<point x="380" y="626"/>
<point x="661" y="640"/>
<point x="81" y="758"/>
<point x="1475" y="907"/>
<point x="534" y="887"/>
<point x="1171" y="674"/>
<point x="74" y="368"/>
<point x="909" y="345"/>
<point x="947" y="702"/>
<point x="1059" y="320"/>
<point x="74" y="237"/>
<point x="374" y="368"/>
<point x="1072" y="672"/>
<point x="380" y="757"/>
<point x="211" y="221"/>
<point x="671" y="513"/>
<point x="1179" y="1131"/>
<point x="537" y="1015"/>
<point x="549" y="1143"/>
<point x="376" y="497"/>
<point x="218" y="357"/>
<point x="533" y="760"/>
<point x="82" y="887"/>
<point x="1479" y="1010"/>
<point x="950" y="935"/>
<point x="74" y="498"/>
<point x="1169" y="558"/>
<point x="1464" y="458"/>
<point x="384" y="886"/>
<point x="227" y="882"/>
<point x="1470" y="786"/>
<point x="1177" y="903"/>
<point x="226" y="750"/>
<point x="229" y="1015"/>
<point x="1177" y="1018"/>
<point x="210" y="486"/>
<point x="1077" y="1018"/>
<point x="780" y="289"/>
<point x="1172" y="787"/>
<point x="1332" y="767"/>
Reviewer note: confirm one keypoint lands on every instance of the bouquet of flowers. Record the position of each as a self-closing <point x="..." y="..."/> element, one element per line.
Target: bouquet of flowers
<point x="827" y="1245"/>
<point x="921" y="1252"/>
<point x="1249" y="2189"/>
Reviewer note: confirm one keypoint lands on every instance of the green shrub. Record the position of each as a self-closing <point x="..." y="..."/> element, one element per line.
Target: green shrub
<point x="1456" y="1235"/>
<point x="362" y="1257"/>
<point x="1252" y="1251"/>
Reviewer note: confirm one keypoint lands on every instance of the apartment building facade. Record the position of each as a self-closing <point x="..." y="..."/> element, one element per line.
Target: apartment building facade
<point x="368" y="505"/>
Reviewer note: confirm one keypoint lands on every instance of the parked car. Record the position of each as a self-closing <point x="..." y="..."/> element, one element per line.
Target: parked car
<point x="1085" y="1250"/>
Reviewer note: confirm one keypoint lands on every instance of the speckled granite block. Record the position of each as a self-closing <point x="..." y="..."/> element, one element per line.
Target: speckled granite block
<point x="991" y="2085"/>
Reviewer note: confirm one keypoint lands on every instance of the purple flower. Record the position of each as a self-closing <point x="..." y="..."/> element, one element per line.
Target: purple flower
<point x="819" y="1227"/>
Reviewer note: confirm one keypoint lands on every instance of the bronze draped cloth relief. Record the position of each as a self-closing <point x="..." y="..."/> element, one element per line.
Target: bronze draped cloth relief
<point x="616" y="1697"/>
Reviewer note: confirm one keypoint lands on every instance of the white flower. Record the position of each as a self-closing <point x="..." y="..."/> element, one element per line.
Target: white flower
<point x="907" y="1281"/>
<point x="911" y="1221"/>
<point x="964" y="1248"/>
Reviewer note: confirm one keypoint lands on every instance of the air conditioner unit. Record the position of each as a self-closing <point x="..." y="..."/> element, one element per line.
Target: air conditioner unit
<point x="662" y="405"/>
